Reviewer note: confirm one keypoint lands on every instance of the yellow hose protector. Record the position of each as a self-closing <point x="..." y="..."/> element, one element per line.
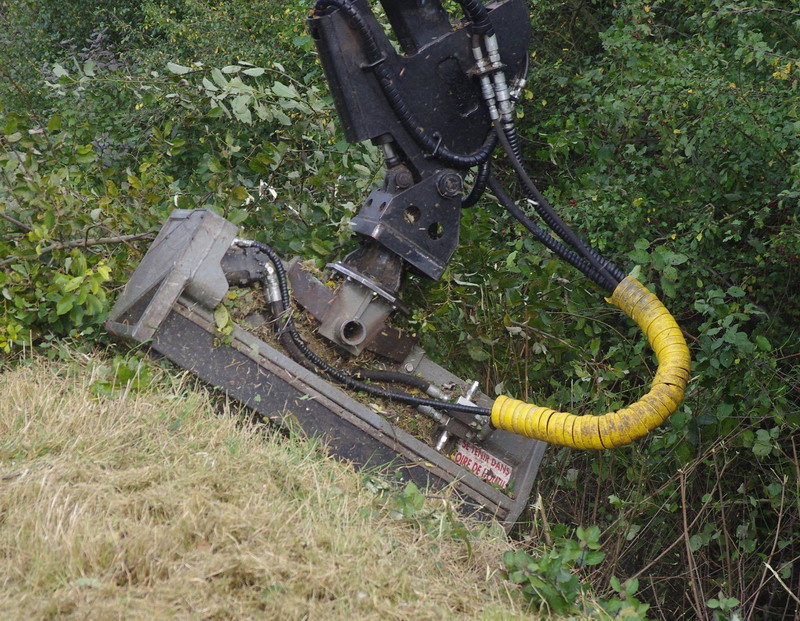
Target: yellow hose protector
<point x="626" y="425"/>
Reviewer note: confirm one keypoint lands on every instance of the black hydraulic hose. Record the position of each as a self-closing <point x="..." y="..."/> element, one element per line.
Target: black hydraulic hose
<point x="550" y="242"/>
<point x="513" y="140"/>
<point x="339" y="375"/>
<point x="394" y="377"/>
<point x="478" y="15"/>
<point x="278" y="309"/>
<point x="479" y="187"/>
<point x="552" y="219"/>
<point x="432" y="143"/>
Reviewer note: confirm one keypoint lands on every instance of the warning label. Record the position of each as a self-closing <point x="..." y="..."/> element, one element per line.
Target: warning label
<point x="482" y="464"/>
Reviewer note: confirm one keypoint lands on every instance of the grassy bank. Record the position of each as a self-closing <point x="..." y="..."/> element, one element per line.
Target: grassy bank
<point x="127" y="501"/>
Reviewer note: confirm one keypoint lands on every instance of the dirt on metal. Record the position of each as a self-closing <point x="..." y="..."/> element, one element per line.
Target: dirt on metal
<point x="248" y="309"/>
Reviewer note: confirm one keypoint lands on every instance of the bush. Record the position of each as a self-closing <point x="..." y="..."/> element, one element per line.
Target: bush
<point x="112" y="148"/>
<point x="668" y="134"/>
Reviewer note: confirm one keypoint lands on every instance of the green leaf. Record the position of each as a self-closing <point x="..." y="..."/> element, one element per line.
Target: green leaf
<point x="305" y="42"/>
<point x="262" y="112"/>
<point x="65" y="304"/>
<point x="240" y="107"/>
<point x="221" y="317"/>
<point x="477" y="352"/>
<point x="74" y="283"/>
<point x="763" y="443"/>
<point x="676" y="258"/>
<point x="763" y="343"/>
<point x="54" y="124"/>
<point x="319" y="246"/>
<point x="217" y="76"/>
<point x="214" y="165"/>
<point x="178" y="69"/>
<point x="237" y="216"/>
<point x="594" y="558"/>
<point x="639" y="256"/>
<point x="282" y="90"/>
<point x="669" y="287"/>
<point x="254" y="72"/>
<point x="231" y="69"/>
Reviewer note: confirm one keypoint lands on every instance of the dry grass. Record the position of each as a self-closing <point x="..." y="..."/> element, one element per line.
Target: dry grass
<point x="151" y="505"/>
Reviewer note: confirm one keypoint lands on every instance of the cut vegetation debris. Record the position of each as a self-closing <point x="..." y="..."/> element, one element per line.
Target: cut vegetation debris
<point x="149" y="502"/>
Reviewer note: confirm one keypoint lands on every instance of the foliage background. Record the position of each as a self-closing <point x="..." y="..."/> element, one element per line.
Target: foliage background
<point x="668" y="133"/>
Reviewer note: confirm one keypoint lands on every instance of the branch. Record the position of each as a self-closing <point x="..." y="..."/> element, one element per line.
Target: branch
<point x="782" y="583"/>
<point x="699" y="599"/>
<point x="84" y="243"/>
<point x="16" y="222"/>
<point x="101" y="241"/>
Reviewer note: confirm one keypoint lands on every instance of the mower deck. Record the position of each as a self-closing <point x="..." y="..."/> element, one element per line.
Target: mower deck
<point x="168" y="305"/>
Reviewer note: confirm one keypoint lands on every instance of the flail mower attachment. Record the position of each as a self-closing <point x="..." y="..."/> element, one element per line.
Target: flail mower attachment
<point x="168" y="305"/>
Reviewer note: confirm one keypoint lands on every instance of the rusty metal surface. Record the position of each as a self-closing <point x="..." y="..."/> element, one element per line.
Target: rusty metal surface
<point x="331" y="309"/>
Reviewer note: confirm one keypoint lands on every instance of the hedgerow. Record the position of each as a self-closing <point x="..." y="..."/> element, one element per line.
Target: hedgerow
<point x="667" y="133"/>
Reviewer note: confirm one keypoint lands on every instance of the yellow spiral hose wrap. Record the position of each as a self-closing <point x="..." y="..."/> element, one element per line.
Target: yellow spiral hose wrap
<point x="625" y="425"/>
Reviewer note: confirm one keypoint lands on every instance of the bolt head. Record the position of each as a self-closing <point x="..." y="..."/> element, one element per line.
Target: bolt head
<point x="403" y="180"/>
<point x="450" y="185"/>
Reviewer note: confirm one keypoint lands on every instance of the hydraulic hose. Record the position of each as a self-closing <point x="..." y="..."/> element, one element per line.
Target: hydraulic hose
<point x="551" y="218"/>
<point x="479" y="187"/>
<point x="392" y="377"/>
<point x="278" y="309"/>
<point x="478" y="15"/>
<point x="626" y="425"/>
<point x="334" y="373"/>
<point x="550" y="242"/>
<point x="432" y="143"/>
